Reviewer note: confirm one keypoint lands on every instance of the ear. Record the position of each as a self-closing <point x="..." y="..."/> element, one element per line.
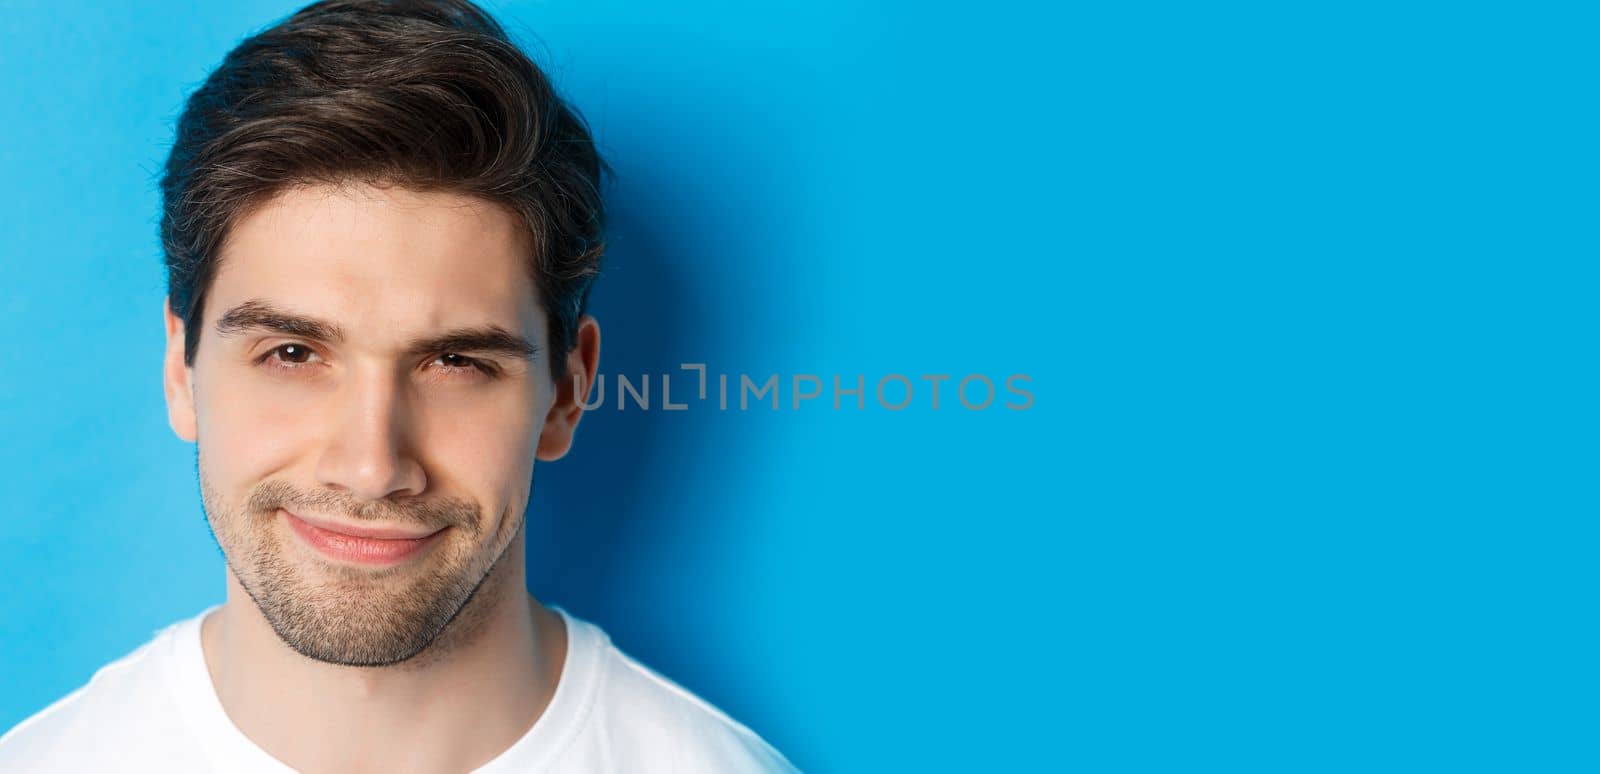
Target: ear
<point x="177" y="379"/>
<point x="562" y="421"/>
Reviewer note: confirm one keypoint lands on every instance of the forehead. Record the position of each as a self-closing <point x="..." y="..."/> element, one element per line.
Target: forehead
<point x="385" y="263"/>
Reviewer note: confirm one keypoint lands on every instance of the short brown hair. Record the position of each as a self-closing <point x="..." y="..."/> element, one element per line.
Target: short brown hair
<point x="425" y="94"/>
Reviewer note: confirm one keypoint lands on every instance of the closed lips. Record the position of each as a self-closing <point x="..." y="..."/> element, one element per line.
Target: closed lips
<point x="369" y="532"/>
<point x="374" y="546"/>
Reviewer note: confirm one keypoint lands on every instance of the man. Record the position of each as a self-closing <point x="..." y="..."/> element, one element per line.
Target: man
<point x="381" y="226"/>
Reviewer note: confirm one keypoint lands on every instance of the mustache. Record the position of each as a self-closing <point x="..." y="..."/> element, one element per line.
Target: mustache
<point x="432" y="513"/>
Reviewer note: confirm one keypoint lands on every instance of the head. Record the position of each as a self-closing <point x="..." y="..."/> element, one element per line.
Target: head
<point x="381" y="226"/>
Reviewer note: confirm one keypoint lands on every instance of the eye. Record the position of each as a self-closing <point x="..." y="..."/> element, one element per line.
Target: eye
<point x="287" y="357"/>
<point x="454" y="363"/>
<point x="293" y="354"/>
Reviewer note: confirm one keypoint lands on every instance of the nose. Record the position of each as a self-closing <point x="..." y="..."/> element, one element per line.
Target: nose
<point x="369" y="450"/>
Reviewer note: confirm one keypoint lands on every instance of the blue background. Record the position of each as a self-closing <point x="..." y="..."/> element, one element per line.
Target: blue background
<point x="1306" y="296"/>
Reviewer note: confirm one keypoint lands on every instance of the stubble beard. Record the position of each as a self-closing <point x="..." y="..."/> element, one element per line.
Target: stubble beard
<point x="357" y="617"/>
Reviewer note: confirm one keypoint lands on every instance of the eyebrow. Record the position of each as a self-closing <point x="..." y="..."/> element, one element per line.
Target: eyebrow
<point x="259" y="314"/>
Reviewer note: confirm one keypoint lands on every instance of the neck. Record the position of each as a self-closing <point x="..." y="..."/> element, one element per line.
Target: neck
<point x="456" y="705"/>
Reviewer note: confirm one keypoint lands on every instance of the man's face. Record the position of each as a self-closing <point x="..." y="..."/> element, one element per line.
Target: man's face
<point x="424" y="451"/>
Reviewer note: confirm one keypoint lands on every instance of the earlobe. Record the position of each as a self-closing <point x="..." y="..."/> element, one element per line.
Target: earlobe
<point x="561" y="421"/>
<point x="177" y="379"/>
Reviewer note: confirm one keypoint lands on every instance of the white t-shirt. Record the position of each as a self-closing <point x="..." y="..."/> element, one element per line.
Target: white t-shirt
<point x="155" y="710"/>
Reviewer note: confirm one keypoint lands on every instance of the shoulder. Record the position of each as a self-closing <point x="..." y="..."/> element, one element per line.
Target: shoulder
<point x="112" y="720"/>
<point x="669" y="727"/>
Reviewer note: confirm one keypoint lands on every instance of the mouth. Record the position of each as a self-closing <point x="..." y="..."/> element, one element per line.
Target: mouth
<point x="376" y="546"/>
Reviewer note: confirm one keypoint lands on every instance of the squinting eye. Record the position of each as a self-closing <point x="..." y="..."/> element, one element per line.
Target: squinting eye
<point x="454" y="363"/>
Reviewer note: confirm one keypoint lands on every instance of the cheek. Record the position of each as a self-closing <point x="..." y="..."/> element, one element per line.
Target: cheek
<point x="487" y="441"/>
<point x="243" y="427"/>
<point x="486" y="450"/>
